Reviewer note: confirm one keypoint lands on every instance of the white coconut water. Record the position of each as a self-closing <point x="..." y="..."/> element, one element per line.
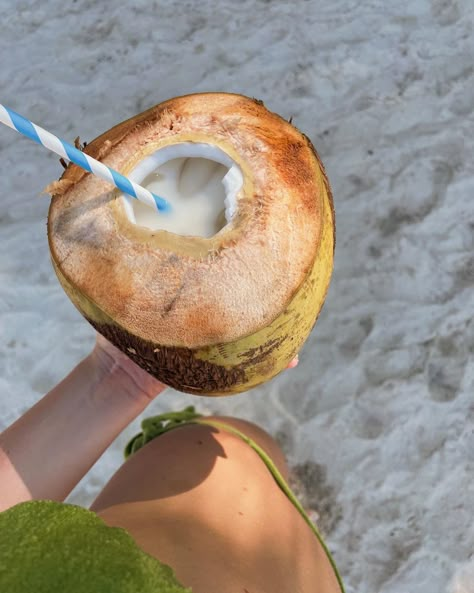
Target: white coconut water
<point x="199" y="181"/>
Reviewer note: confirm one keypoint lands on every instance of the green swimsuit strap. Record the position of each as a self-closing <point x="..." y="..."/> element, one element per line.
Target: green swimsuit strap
<point x="157" y="425"/>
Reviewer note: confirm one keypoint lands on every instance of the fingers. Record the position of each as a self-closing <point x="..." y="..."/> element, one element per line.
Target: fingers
<point x="293" y="363"/>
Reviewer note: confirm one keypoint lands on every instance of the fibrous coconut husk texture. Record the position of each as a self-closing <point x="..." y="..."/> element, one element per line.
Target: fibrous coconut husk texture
<point x="381" y="405"/>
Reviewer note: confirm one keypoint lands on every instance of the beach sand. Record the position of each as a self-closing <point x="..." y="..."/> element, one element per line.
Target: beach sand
<point x="378" y="419"/>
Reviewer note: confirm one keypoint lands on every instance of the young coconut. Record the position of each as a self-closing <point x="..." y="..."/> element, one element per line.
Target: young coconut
<point x="209" y="303"/>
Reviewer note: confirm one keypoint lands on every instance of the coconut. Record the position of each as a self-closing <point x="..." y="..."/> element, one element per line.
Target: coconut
<point x="217" y="310"/>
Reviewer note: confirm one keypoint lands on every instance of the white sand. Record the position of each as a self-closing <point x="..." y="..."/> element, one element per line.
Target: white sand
<point x="381" y="407"/>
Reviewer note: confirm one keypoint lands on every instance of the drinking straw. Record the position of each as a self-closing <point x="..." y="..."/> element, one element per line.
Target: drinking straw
<point x="22" y="125"/>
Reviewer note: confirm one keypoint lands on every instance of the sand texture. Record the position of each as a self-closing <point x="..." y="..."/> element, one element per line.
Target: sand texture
<point x="378" y="419"/>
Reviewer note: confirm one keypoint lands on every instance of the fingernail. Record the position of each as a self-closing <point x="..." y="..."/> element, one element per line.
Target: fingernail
<point x="294" y="362"/>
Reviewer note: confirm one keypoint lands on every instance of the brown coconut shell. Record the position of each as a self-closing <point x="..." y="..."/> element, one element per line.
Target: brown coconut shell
<point x="181" y="294"/>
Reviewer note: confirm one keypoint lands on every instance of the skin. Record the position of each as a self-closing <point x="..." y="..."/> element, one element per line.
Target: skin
<point x="198" y="498"/>
<point x="47" y="451"/>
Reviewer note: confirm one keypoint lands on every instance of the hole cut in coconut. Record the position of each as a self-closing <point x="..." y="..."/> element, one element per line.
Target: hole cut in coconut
<point x="201" y="183"/>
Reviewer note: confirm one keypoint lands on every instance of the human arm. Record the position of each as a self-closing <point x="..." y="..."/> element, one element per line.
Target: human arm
<point x="47" y="451"/>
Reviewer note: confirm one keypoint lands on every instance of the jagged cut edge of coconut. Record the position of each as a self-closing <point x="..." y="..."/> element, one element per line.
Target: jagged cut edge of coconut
<point x="232" y="181"/>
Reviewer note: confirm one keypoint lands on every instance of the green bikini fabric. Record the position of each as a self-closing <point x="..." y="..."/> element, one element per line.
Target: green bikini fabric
<point x="52" y="547"/>
<point x="157" y="425"/>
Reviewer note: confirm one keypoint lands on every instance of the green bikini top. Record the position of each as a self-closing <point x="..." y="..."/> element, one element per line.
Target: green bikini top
<point x="52" y="547"/>
<point x="155" y="426"/>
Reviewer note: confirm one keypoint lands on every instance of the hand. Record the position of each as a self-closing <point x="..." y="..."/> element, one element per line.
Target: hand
<point x="111" y="359"/>
<point x="294" y="363"/>
<point x="71" y="426"/>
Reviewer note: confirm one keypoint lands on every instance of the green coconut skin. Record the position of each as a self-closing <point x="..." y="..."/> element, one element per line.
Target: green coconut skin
<point x="51" y="547"/>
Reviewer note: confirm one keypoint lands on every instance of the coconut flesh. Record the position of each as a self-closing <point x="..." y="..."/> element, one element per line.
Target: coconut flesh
<point x="199" y="181"/>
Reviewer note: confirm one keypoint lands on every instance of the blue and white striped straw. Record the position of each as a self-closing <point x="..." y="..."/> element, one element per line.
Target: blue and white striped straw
<point x="67" y="151"/>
